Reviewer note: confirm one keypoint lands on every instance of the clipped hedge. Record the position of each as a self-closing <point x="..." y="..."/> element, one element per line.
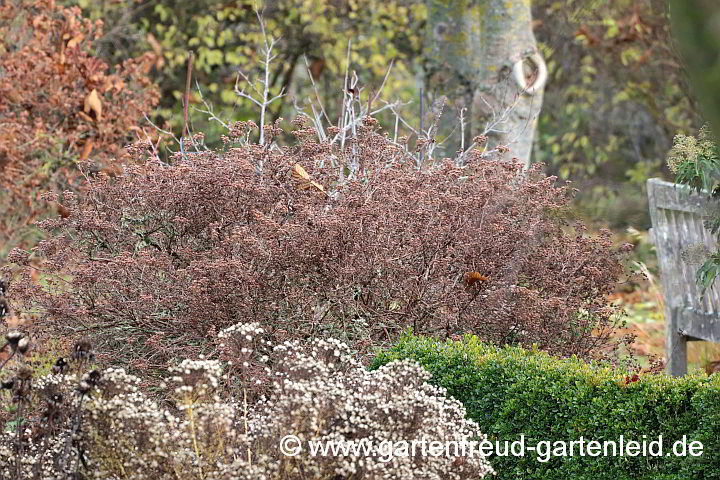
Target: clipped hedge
<point x="512" y="391"/>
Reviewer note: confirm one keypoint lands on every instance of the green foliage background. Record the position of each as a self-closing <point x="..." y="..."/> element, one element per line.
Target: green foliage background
<point x="695" y="161"/>
<point x="697" y="27"/>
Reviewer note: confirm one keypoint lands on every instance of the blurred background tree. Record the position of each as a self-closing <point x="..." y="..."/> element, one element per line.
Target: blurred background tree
<point x="696" y="24"/>
<point x="617" y="95"/>
<point x="475" y="53"/>
<point x="225" y="37"/>
<point x="59" y="104"/>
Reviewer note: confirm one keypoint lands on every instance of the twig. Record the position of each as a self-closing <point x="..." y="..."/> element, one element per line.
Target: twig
<point x="341" y="120"/>
<point x="422" y="124"/>
<point x="187" y="93"/>
<point x="209" y="111"/>
<point x="317" y="95"/>
<point x="382" y="85"/>
<point x="389" y="106"/>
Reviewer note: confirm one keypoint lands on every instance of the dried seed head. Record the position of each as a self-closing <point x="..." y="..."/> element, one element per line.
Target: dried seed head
<point x="13" y="337"/>
<point x="480" y="139"/>
<point x="23" y="345"/>
<point x="22" y="384"/>
<point x="84" y="387"/>
<point x="55" y="400"/>
<point x="24" y="374"/>
<point x="92" y="378"/>
<point x="4" y="307"/>
<point x="7" y="384"/>
<point x="61" y="366"/>
<point x="695" y="254"/>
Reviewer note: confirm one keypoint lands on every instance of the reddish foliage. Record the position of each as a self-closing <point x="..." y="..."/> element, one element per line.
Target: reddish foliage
<point x="163" y="256"/>
<point x="49" y="115"/>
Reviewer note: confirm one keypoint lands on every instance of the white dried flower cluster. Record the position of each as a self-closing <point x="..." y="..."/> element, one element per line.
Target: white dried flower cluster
<point x="244" y="348"/>
<point x="244" y="329"/>
<point x="48" y="456"/>
<point x="318" y="358"/>
<point x="325" y="395"/>
<point x="195" y="378"/>
<point x="240" y="341"/>
<point x="321" y="393"/>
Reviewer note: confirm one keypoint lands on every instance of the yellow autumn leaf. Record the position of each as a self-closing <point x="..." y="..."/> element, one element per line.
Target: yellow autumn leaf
<point x="304" y="180"/>
<point x="75" y="41"/>
<point x="92" y="102"/>
<point x="299" y="173"/>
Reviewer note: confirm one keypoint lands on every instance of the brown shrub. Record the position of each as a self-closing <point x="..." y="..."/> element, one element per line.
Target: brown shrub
<point x="154" y="262"/>
<point x="58" y="104"/>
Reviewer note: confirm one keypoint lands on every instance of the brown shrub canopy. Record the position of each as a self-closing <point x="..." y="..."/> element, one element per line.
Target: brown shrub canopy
<point x="154" y="262"/>
<point x="58" y="103"/>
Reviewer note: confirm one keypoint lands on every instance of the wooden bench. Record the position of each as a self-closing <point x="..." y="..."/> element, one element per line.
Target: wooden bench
<point x="677" y="223"/>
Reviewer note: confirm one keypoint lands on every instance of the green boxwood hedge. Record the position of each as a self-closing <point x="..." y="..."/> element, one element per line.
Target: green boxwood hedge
<point x="512" y="391"/>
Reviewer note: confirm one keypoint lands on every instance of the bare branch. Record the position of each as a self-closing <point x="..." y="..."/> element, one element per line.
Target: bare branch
<point x="187" y="93"/>
<point x="317" y="95"/>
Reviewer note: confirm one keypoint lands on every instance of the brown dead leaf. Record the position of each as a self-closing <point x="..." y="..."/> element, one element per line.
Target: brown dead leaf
<point x="14" y="96"/>
<point x="86" y="149"/>
<point x="92" y="102"/>
<point x="85" y="117"/>
<point x="75" y="41"/>
<point x="63" y="211"/>
<point x="157" y="48"/>
<point x="304" y="180"/>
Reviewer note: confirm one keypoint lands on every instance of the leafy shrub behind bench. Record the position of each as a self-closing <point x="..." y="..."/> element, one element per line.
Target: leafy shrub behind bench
<point x="512" y="391"/>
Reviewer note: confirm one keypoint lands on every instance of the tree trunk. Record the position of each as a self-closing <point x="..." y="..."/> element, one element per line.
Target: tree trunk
<point x="475" y="55"/>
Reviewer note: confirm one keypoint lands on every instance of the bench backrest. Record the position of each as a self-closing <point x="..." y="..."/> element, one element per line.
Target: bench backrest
<point x="677" y="221"/>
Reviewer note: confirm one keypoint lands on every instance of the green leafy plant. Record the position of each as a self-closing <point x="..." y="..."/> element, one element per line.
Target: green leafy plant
<point x="695" y="161"/>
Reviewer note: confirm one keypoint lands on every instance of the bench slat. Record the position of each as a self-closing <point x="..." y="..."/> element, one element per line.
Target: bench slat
<point x="677" y="223"/>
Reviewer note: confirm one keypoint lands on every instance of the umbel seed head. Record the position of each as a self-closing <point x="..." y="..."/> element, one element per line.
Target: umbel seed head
<point x="24" y="374"/>
<point x="23" y="345"/>
<point x="92" y="378"/>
